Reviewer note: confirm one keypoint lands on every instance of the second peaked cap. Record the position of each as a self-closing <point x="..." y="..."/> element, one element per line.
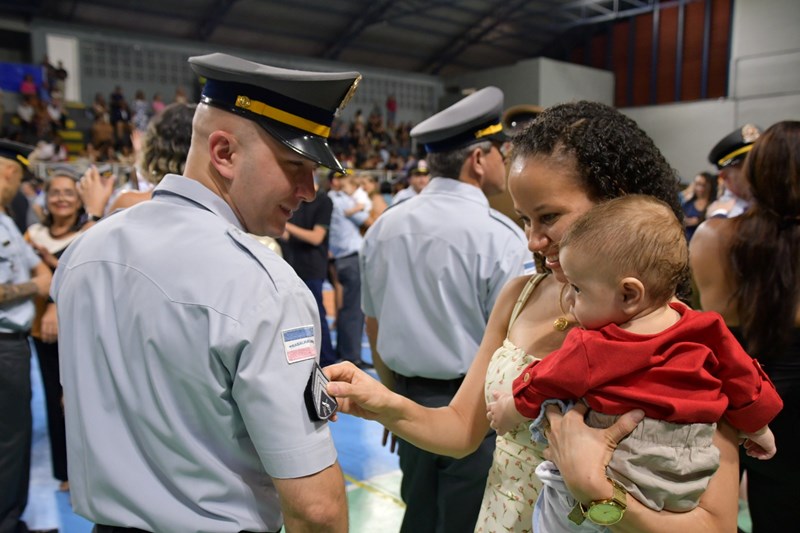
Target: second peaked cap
<point x="472" y="119"/>
<point x="297" y="107"/>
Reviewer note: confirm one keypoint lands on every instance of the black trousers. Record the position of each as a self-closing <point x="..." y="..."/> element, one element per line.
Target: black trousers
<point x="442" y="494"/>
<point x="51" y="381"/>
<point x="16" y="426"/>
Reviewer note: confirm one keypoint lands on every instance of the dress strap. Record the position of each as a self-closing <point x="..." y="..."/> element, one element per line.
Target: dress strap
<point x="527" y="290"/>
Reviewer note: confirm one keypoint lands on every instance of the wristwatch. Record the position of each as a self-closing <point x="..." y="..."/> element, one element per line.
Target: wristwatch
<point x="608" y="512"/>
<point x="92" y="218"/>
<point x="603" y="512"/>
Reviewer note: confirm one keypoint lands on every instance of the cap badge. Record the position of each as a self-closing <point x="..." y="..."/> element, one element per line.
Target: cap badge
<point x="350" y="93"/>
<point x="750" y="133"/>
<point x="242" y="101"/>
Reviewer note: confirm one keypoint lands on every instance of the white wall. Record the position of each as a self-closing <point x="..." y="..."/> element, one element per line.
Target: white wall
<point x="685" y="133"/>
<point x="542" y="81"/>
<point x="565" y="82"/>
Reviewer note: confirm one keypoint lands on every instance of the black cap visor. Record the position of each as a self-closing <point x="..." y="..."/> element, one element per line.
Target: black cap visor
<point x="310" y="146"/>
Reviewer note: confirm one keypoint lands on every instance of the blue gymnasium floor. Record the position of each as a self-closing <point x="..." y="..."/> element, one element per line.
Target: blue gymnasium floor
<point x="371" y="473"/>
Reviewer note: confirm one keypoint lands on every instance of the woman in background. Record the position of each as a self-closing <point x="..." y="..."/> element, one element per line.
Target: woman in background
<point x="61" y="225"/>
<point x="704" y="191"/>
<point x="164" y="151"/>
<point x="747" y="269"/>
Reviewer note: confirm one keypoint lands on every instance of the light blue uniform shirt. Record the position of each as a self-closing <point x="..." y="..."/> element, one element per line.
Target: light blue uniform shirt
<point x="186" y="346"/>
<point x="431" y="270"/>
<point x="17" y="259"/>
<point x="344" y="237"/>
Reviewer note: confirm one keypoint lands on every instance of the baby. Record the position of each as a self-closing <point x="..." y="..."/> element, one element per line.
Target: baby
<point x="638" y="347"/>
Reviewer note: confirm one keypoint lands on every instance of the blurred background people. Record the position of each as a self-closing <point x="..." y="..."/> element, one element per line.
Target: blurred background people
<point x="728" y="156"/>
<point x="418" y="177"/>
<point x="703" y="192"/>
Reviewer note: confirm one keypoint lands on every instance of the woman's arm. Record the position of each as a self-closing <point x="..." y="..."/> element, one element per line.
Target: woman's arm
<point x="455" y="430"/>
<point x="581" y="454"/>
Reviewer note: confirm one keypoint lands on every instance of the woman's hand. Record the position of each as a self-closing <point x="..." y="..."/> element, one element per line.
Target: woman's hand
<point x="48" y="258"/>
<point x="95" y="191"/>
<point x="582" y="453"/>
<point x="357" y="392"/>
<point x="50" y="324"/>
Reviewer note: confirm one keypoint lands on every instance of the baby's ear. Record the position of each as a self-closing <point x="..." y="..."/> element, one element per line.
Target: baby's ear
<point x="631" y="292"/>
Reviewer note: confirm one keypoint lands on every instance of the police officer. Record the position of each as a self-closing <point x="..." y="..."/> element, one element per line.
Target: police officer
<point x="22" y="276"/>
<point x="727" y="156"/>
<point x="515" y="118"/>
<point x="432" y="268"/>
<point x="187" y="345"/>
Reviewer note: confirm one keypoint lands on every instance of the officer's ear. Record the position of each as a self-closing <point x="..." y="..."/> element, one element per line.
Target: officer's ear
<point x="221" y="148"/>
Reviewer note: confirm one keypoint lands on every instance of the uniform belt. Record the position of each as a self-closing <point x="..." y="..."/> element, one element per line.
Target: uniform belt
<point x="347" y="256"/>
<point x="13" y="335"/>
<point x="98" y="528"/>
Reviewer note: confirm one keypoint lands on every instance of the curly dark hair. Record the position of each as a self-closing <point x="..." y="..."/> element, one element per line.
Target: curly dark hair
<point x="167" y="141"/>
<point x="765" y="252"/>
<point x="612" y="155"/>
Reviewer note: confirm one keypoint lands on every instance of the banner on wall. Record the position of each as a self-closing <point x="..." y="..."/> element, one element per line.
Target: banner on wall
<point x="11" y="75"/>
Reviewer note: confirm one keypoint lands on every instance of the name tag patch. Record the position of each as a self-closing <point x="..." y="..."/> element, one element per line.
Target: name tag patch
<point x="529" y="267"/>
<point x="320" y="404"/>
<point x="298" y="343"/>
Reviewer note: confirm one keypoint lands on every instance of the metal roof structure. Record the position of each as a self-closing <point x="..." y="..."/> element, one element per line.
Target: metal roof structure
<point x="439" y="37"/>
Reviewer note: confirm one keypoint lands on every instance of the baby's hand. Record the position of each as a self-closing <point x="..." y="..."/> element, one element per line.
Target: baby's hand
<point x="760" y="444"/>
<point x="502" y="413"/>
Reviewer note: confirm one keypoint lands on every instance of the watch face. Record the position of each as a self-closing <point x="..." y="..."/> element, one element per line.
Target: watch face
<point x="604" y="514"/>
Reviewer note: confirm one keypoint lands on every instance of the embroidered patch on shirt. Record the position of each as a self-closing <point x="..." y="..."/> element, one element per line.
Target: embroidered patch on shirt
<point x="529" y="267"/>
<point x="298" y="343"/>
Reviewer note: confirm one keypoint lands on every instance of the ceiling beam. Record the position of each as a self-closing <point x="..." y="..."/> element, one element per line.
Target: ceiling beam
<point x="487" y="23"/>
<point x="374" y="13"/>
<point x="213" y="18"/>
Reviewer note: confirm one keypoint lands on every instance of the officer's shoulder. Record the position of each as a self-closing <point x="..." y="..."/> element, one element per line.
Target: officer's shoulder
<point x="505" y="222"/>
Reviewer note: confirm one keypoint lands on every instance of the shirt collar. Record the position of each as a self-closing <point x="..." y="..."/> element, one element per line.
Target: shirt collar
<point x="196" y="192"/>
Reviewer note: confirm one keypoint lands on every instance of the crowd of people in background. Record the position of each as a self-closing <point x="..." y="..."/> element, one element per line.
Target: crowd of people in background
<point x="373" y="141"/>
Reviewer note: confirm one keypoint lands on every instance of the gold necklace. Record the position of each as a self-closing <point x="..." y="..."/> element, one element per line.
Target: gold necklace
<point x="561" y="323"/>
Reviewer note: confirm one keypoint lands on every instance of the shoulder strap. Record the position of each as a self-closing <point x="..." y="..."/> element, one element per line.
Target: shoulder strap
<point x="527" y="290"/>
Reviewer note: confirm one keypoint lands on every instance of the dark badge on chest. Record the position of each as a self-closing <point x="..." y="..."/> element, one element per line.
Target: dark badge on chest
<point x="320" y="404"/>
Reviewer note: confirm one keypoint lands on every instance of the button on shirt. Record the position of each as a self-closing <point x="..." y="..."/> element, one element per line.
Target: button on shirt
<point x="431" y="269"/>
<point x="183" y="393"/>
<point x="17" y="259"/>
<point x="345" y="235"/>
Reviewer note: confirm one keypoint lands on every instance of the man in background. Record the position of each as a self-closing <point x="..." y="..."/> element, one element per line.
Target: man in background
<point x="432" y="268"/>
<point x="22" y="276"/>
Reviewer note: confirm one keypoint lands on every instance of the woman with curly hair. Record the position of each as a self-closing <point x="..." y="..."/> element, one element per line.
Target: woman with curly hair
<point x="570" y="158"/>
<point x="747" y="269"/>
<point x="164" y="149"/>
